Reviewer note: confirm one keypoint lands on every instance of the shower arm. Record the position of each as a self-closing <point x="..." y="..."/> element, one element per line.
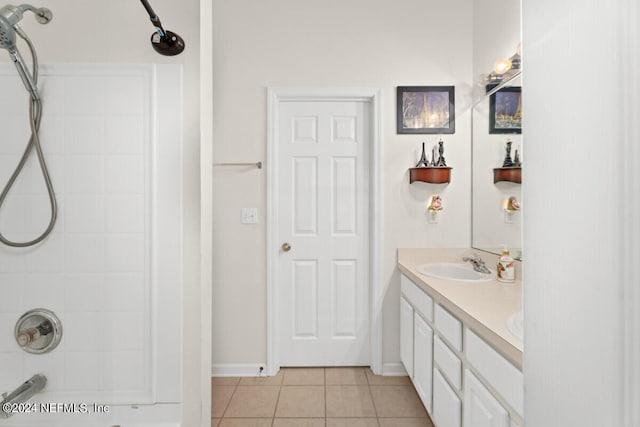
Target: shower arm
<point x="155" y="20"/>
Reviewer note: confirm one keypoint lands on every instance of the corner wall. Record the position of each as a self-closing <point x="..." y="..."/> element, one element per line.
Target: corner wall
<point x="328" y="44"/>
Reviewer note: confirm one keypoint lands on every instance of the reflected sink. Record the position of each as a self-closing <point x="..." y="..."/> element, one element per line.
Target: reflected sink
<point x="454" y="271"/>
<point x="515" y="325"/>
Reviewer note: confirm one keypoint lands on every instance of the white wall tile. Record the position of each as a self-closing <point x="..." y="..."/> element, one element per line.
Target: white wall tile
<point x="52" y="92"/>
<point x="13" y="93"/>
<point x="51" y="365"/>
<point x="125" y="252"/>
<point x="7" y="337"/>
<point x="52" y="134"/>
<point x="125" y="370"/>
<point x="37" y="214"/>
<point x="124" y="331"/>
<point x="11" y="260"/>
<point x="125" y="134"/>
<point x="84" y="174"/>
<point x="45" y="291"/>
<point x="15" y="129"/>
<point x="84" y="135"/>
<point x="125" y="95"/>
<point x="84" y="292"/>
<point x="124" y="174"/>
<point x="84" y="253"/>
<point x="84" y="214"/>
<point x="11" y="369"/>
<point x="12" y="214"/>
<point x="47" y="257"/>
<point x="84" y="95"/>
<point x="125" y="214"/>
<point x="84" y="371"/>
<point x="84" y="331"/>
<point x="124" y="292"/>
<point x="12" y="294"/>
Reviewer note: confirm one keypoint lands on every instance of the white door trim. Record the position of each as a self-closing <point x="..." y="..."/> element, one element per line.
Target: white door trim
<point x="373" y="97"/>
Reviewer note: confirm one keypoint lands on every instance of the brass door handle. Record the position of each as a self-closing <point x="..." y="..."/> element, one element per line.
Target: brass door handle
<point x="286" y="247"/>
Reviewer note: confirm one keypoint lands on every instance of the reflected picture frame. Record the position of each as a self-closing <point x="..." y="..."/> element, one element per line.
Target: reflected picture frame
<point x="425" y="110"/>
<point x="505" y="111"/>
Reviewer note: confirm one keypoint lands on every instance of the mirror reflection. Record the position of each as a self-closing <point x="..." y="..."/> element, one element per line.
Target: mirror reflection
<point x="497" y="133"/>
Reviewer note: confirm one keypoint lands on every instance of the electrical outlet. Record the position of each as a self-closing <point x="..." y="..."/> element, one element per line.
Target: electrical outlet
<point x="249" y="215"/>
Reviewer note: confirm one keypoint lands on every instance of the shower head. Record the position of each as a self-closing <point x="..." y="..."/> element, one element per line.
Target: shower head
<point x="9" y="18"/>
<point x="164" y="42"/>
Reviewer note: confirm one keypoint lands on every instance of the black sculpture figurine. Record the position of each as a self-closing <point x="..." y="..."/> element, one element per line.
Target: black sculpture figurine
<point x="441" y="161"/>
<point x="516" y="159"/>
<point x="508" y="163"/>
<point x="423" y="162"/>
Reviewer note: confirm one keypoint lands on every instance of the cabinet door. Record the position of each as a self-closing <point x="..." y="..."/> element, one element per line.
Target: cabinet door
<point x="447" y="408"/>
<point x="480" y="407"/>
<point x="423" y="360"/>
<point x="406" y="336"/>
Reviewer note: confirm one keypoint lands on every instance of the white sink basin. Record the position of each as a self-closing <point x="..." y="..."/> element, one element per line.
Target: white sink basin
<point x="515" y="325"/>
<point x="454" y="271"/>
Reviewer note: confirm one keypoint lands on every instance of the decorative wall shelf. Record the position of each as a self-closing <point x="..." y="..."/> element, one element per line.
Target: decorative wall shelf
<point x="433" y="175"/>
<point x="507" y="174"/>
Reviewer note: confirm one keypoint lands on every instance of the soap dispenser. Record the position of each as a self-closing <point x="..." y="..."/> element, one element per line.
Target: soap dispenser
<point x="506" y="269"/>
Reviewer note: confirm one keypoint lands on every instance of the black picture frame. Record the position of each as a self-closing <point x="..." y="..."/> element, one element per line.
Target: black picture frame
<point x="426" y="110"/>
<point x="505" y="111"/>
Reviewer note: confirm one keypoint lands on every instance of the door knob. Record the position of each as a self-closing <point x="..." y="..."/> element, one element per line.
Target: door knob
<point x="286" y="247"/>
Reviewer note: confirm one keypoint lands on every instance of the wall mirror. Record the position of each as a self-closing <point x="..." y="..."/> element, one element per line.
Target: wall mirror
<point x="496" y="195"/>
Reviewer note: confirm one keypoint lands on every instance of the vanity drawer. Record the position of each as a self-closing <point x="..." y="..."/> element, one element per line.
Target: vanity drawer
<point x="449" y="327"/>
<point x="448" y="362"/>
<point x="417" y="298"/>
<point x="505" y="378"/>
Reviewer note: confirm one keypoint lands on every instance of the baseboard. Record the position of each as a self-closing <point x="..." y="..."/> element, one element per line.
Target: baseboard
<point x="237" y="369"/>
<point x="393" y="370"/>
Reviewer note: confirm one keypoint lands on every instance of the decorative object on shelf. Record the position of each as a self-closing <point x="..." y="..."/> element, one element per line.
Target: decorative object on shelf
<point x="425" y="109"/>
<point x="505" y="111"/>
<point x="423" y="162"/>
<point x="507" y="163"/>
<point x="434" y="171"/>
<point x="516" y="159"/>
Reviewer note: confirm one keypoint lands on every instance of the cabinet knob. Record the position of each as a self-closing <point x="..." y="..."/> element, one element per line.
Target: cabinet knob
<point x="286" y="247"/>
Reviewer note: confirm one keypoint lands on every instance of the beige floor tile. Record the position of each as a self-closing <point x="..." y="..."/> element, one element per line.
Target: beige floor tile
<point x="345" y="376"/>
<point x="352" y="422"/>
<point x="253" y="402"/>
<point x="301" y="402"/>
<point x="263" y="380"/>
<point x="405" y="422"/>
<point x="246" y="422"/>
<point x="349" y="401"/>
<point x="397" y="401"/>
<point x="220" y="397"/>
<point x="298" y="422"/>
<point x="380" y="380"/>
<point x="214" y="422"/>
<point x="303" y="376"/>
<point x="225" y="381"/>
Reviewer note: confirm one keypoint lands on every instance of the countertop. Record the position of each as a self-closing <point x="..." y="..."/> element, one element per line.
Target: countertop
<point x="483" y="307"/>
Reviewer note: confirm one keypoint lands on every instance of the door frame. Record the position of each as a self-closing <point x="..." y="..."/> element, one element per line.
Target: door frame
<point x="276" y="95"/>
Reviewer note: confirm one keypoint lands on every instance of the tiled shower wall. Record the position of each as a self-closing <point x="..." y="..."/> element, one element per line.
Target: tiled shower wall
<point x="96" y="271"/>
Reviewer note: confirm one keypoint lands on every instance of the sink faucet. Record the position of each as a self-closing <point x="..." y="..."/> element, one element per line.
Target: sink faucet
<point x="478" y="264"/>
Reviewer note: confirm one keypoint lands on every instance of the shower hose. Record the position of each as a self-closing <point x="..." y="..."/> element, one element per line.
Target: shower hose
<point x="35" y="115"/>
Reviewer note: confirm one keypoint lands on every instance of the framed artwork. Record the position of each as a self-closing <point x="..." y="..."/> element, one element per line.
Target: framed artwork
<point x="426" y="109"/>
<point x="505" y="111"/>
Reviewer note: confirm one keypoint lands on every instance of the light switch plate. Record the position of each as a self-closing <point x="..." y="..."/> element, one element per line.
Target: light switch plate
<point x="249" y="215"/>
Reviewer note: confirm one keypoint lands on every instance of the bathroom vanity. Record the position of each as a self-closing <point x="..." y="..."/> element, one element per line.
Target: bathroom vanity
<point x="463" y="360"/>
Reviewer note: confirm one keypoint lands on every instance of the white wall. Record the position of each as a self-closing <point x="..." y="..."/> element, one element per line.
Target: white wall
<point x="118" y="31"/>
<point x="581" y="228"/>
<point x="330" y="43"/>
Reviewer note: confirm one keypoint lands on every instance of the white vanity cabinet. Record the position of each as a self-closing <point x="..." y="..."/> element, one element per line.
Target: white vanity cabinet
<point x="416" y="338"/>
<point x="461" y="380"/>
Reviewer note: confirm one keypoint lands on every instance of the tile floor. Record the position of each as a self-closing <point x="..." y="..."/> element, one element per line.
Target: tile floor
<point x="332" y="397"/>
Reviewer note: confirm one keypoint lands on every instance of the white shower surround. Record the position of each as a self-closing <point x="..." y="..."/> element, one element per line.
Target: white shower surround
<point x="112" y="135"/>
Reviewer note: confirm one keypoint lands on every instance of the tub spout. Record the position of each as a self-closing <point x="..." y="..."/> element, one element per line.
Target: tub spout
<point x="23" y="393"/>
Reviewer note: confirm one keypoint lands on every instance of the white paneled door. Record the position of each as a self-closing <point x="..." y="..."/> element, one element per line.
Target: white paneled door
<point x="323" y="227"/>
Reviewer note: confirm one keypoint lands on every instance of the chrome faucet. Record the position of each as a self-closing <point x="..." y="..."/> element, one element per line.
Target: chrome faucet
<point x="477" y="263"/>
<point x="23" y="393"/>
